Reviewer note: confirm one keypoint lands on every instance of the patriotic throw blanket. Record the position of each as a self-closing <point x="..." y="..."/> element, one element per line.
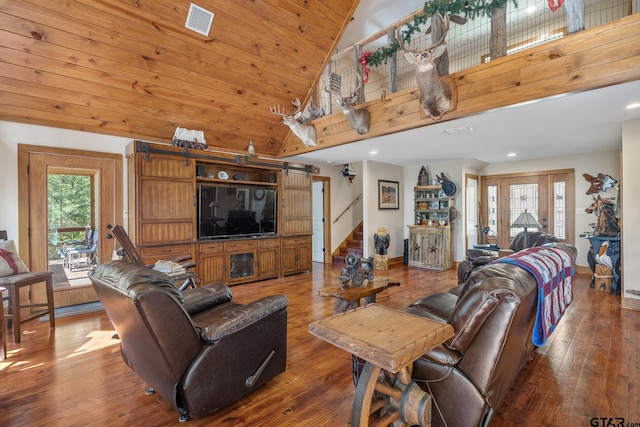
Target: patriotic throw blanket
<point x="553" y="271"/>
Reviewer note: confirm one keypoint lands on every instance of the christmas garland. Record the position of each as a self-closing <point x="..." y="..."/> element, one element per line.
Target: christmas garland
<point x="468" y="9"/>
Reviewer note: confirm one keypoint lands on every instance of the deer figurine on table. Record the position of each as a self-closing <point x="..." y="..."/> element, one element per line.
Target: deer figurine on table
<point x="358" y="119"/>
<point x="306" y="133"/>
<point x="435" y="93"/>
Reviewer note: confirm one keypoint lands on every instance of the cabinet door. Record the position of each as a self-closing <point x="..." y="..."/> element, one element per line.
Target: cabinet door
<point x="165" y="200"/>
<point x="268" y="259"/>
<point x="304" y="254"/>
<point x="296" y="254"/>
<point x="296" y="203"/>
<point x="432" y="249"/>
<point x="289" y="258"/>
<point x="267" y="263"/>
<point x="416" y="248"/>
<point x="241" y="266"/>
<point x="211" y="263"/>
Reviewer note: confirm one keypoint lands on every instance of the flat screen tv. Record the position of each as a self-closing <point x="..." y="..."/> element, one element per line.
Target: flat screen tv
<point x="235" y="210"/>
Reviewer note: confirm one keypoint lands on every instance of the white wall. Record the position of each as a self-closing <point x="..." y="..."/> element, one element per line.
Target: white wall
<point x="607" y="162"/>
<point x="391" y="219"/>
<point x="12" y="134"/>
<point x="630" y="208"/>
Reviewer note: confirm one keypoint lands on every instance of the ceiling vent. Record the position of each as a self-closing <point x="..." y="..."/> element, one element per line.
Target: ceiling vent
<point x="199" y="20"/>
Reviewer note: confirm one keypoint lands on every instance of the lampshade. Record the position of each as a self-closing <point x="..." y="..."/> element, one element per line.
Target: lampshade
<point x="525" y="220"/>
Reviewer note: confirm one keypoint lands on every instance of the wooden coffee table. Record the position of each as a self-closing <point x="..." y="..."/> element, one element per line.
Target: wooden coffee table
<point x="348" y="298"/>
<point x="389" y="341"/>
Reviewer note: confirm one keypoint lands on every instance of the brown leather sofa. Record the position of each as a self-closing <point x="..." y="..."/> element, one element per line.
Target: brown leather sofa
<point x="493" y="315"/>
<point x="478" y="257"/>
<point x="199" y="350"/>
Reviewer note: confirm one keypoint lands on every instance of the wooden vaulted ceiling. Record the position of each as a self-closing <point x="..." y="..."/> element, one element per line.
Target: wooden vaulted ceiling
<point x="130" y="68"/>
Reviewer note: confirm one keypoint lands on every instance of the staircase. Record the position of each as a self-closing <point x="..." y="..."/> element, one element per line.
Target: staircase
<point x="352" y="244"/>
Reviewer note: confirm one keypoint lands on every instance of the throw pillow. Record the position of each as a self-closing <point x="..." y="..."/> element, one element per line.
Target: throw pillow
<point x="10" y="262"/>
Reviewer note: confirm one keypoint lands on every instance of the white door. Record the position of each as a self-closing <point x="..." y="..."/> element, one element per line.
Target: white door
<point x="471" y="202"/>
<point x="318" y="221"/>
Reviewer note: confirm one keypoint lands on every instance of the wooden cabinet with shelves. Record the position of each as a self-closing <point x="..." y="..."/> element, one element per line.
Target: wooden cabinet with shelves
<point x="211" y="172"/>
<point x="432" y="204"/>
<point x="164" y="186"/>
<point x="430" y="247"/>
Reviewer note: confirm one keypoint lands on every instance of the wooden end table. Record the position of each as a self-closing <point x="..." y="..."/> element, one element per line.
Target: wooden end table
<point x="390" y="341"/>
<point x="348" y="298"/>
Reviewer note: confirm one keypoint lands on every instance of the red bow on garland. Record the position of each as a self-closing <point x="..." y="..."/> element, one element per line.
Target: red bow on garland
<point x="364" y="60"/>
<point x="553" y="6"/>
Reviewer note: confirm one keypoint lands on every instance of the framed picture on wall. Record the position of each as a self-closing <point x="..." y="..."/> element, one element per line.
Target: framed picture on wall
<point x="388" y="194"/>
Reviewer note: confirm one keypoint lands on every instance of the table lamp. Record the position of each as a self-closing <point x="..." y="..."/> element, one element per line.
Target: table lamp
<point x="526" y="220"/>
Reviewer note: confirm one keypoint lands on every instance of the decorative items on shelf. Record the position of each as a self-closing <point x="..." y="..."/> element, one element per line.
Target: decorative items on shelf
<point x="189" y="138"/>
<point x="432" y="207"/>
<point x="423" y="177"/>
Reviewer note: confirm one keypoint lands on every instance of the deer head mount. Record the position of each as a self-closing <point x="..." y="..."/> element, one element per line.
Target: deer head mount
<point x="358" y="119"/>
<point x="306" y="133"/>
<point x="435" y="93"/>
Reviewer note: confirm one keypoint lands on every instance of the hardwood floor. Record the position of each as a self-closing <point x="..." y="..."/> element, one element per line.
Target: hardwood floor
<point x="74" y="375"/>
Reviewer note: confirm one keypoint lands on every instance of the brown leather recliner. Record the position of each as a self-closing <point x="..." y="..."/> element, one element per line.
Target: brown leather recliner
<point x="478" y="257"/>
<point x="199" y="350"/>
<point x="493" y="316"/>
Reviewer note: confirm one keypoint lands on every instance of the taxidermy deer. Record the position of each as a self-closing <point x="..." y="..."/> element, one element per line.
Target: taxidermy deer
<point x="306" y="133"/>
<point x="358" y="119"/>
<point x="435" y="93"/>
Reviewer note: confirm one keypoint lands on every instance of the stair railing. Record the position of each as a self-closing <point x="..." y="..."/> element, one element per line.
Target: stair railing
<point x="347" y="208"/>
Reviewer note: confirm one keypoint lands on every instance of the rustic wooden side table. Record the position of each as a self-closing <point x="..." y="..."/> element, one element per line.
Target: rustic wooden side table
<point x="348" y="298"/>
<point x="390" y="341"/>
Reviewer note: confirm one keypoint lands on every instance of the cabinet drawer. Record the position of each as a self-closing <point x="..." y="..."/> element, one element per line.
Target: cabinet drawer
<point x="270" y="243"/>
<point x="241" y="245"/>
<point x="153" y="254"/>
<point x="210" y="248"/>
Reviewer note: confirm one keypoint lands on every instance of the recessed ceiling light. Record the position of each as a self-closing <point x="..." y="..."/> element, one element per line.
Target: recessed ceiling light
<point x="460" y="129"/>
<point x="329" y="161"/>
<point x="511" y="155"/>
<point x="633" y="105"/>
<point x="373" y="152"/>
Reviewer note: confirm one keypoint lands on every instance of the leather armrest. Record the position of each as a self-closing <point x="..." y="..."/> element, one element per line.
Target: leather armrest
<point x="219" y="322"/>
<point x="443" y="356"/>
<point x="200" y="299"/>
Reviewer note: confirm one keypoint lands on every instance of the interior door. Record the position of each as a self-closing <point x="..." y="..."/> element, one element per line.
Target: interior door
<point x="35" y="163"/>
<point x="317" y="200"/>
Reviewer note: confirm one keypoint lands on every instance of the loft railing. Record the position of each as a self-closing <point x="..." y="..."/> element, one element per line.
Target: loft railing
<point x="529" y="24"/>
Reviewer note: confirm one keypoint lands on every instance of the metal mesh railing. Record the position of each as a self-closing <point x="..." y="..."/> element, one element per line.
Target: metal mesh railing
<point x="531" y="23"/>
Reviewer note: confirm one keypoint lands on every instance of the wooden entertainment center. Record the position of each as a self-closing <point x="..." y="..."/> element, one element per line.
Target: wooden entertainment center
<point x="164" y="216"/>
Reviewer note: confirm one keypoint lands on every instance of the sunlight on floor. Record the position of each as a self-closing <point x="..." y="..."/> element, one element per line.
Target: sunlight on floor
<point x="97" y="341"/>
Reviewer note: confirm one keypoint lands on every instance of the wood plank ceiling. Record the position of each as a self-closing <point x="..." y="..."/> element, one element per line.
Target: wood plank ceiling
<point x="130" y="68"/>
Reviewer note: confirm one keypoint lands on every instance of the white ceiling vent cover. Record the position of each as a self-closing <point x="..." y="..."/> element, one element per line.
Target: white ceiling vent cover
<point x="199" y="20"/>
